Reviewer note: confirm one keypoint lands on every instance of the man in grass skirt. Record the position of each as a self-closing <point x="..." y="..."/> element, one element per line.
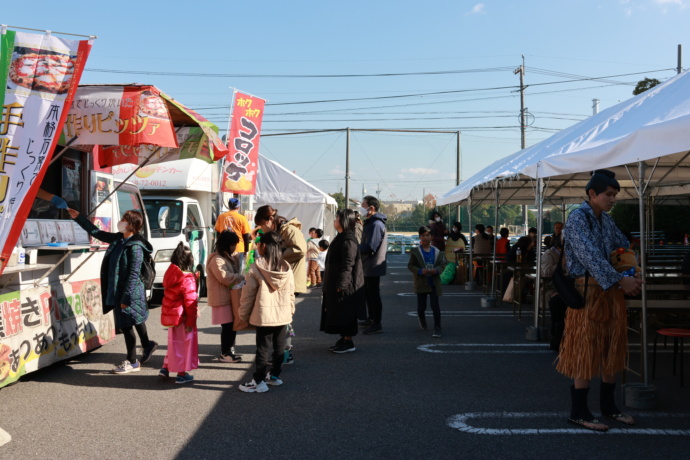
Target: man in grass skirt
<point x="595" y="341"/>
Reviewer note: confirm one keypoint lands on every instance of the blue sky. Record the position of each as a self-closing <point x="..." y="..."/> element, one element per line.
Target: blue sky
<point x="297" y="52"/>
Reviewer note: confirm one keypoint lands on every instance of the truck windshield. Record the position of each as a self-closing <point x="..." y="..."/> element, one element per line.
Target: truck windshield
<point x="164" y="223"/>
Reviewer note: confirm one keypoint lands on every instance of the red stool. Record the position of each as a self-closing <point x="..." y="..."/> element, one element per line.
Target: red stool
<point x="677" y="334"/>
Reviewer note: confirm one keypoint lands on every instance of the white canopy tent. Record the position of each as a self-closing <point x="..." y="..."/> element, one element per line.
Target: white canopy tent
<point x="645" y="140"/>
<point x="292" y="196"/>
<point x="651" y="127"/>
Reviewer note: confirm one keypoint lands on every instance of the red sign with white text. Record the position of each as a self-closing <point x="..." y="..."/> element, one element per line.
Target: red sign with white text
<point x="242" y="160"/>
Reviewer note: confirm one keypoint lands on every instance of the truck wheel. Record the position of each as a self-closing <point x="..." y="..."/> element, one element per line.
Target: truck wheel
<point x="201" y="285"/>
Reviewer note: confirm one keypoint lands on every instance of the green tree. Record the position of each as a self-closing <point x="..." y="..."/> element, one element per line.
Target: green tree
<point x="339" y="198"/>
<point x="644" y="85"/>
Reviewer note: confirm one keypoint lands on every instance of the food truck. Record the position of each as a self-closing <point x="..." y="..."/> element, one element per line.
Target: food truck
<point x="50" y="291"/>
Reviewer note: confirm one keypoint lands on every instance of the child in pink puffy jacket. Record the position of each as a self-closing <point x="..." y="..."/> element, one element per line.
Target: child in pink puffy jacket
<point x="179" y="313"/>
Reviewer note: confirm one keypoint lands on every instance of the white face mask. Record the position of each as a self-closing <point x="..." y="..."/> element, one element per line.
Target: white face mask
<point x="363" y="211"/>
<point x="122" y="227"/>
<point x="438" y="219"/>
<point x="455" y="229"/>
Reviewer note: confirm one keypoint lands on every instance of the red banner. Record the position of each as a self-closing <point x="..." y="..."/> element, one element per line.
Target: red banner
<point x="241" y="163"/>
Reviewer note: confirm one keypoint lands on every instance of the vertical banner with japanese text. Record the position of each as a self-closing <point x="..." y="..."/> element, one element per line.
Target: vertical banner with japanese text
<point x="241" y="162"/>
<point x="39" y="75"/>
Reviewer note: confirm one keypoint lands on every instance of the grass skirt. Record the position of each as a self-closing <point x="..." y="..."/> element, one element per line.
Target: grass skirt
<point x="595" y="340"/>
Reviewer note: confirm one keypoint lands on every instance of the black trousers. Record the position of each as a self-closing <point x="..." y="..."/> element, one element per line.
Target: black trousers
<point x="373" y="294"/>
<point x="227" y="338"/>
<point x="131" y="340"/>
<point x="265" y="336"/>
<point x="435" y="308"/>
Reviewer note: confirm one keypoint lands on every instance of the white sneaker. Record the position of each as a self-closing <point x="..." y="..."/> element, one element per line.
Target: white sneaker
<point x="273" y="380"/>
<point x="253" y="387"/>
<point x="126" y="367"/>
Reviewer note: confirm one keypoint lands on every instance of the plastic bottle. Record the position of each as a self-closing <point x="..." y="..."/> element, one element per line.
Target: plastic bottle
<point x="21" y="255"/>
<point x="518" y="253"/>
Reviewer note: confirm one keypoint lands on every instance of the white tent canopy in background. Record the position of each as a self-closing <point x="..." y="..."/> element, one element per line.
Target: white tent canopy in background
<point x="646" y="138"/>
<point x="653" y="125"/>
<point x="292" y="196"/>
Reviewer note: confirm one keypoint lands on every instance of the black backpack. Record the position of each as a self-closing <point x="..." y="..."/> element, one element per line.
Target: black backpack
<point x="148" y="271"/>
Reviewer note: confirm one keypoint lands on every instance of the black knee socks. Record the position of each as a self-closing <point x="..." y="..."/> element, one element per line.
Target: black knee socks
<point x="579" y="409"/>
<point x="607" y="402"/>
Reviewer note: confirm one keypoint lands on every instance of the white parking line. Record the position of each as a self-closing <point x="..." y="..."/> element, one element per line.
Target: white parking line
<point x="479" y="313"/>
<point x="4" y="437"/>
<point x="502" y="348"/>
<point x="449" y="294"/>
<point x="460" y="423"/>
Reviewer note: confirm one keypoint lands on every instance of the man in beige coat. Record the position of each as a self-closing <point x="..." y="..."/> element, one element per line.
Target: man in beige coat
<point x="295" y="253"/>
<point x="294" y="250"/>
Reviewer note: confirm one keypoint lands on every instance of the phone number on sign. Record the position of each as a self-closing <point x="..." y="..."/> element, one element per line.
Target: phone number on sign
<point x="151" y="183"/>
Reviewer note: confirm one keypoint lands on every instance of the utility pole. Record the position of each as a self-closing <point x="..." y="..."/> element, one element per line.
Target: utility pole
<point x="680" y="59"/>
<point x="347" y="170"/>
<point x="457" y="172"/>
<point x="521" y="71"/>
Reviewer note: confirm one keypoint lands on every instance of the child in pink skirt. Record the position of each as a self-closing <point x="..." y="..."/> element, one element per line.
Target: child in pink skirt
<point x="179" y="313"/>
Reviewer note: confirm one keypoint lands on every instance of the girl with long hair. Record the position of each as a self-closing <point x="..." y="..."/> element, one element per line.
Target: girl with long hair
<point x="268" y="303"/>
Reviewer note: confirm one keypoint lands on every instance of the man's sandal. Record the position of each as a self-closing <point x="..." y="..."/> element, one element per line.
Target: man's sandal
<point x="594" y="424"/>
<point x="625" y="419"/>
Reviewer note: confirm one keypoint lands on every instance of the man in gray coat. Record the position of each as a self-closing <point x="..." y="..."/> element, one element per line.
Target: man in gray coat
<point x="373" y="251"/>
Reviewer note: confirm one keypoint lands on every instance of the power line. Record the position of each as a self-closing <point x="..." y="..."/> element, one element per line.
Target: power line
<point x="229" y="75"/>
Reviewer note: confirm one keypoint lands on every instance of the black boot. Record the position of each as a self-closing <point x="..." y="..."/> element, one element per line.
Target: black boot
<point x="579" y="410"/>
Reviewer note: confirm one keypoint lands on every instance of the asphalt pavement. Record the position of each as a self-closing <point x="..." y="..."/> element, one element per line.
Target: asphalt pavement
<point x="480" y="391"/>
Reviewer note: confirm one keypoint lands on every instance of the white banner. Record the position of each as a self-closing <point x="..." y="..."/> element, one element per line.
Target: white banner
<point x="39" y="75"/>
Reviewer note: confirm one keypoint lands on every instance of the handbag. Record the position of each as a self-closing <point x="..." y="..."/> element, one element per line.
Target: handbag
<point x="237" y="323"/>
<point x="566" y="286"/>
<point x="510" y="292"/>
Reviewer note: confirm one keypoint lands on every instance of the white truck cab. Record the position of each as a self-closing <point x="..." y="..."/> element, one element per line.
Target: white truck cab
<point x="174" y="219"/>
<point x="180" y="198"/>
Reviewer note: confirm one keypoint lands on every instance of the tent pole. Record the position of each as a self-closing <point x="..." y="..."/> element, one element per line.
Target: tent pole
<point x="540" y="223"/>
<point x="493" y="271"/>
<point x="643" y="266"/>
<point x="470" y="266"/>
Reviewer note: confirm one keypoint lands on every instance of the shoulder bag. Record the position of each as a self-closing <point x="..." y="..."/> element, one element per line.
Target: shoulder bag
<point x="566" y="286"/>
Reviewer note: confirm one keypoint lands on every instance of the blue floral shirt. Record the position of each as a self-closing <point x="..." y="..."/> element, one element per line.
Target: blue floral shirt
<point x="588" y="243"/>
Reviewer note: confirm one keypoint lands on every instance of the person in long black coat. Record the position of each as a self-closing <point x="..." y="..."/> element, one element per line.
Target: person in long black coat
<point x="343" y="284"/>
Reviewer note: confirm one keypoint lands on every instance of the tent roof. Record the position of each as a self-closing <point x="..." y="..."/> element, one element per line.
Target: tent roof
<point x="652" y="127"/>
<point x="276" y="184"/>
